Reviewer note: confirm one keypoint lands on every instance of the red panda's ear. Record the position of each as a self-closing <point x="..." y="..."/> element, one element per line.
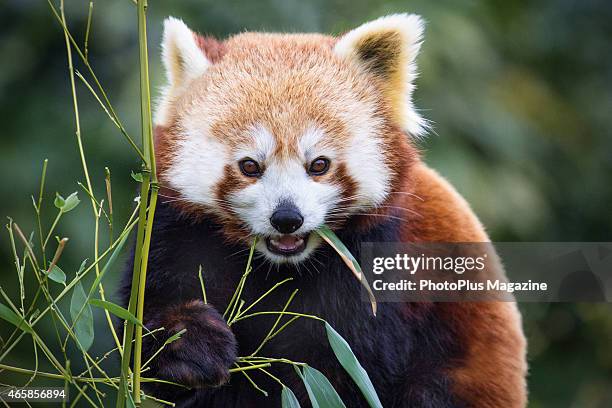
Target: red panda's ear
<point x="388" y="47"/>
<point x="183" y="59"/>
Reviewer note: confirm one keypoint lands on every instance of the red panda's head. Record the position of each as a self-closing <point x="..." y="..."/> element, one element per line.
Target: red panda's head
<point x="277" y="134"/>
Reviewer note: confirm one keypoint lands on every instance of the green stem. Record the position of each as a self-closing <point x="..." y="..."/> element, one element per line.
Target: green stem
<point x="128" y="334"/>
<point x="57" y="218"/>
<point x="202" y="285"/>
<point x="96" y="81"/>
<point x="77" y="279"/>
<point x="149" y="153"/>
<point x="96" y="213"/>
<point x="279" y="313"/>
<point x="235" y="300"/>
<point x="109" y="195"/>
<point x="145" y="224"/>
<point x="141" y="295"/>
<point x="242" y="312"/>
<point x="278" y="319"/>
<point x="38" y="206"/>
<point x="250" y="367"/>
<point x="89" y="14"/>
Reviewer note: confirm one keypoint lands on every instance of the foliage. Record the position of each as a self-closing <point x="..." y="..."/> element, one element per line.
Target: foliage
<point x="81" y="329"/>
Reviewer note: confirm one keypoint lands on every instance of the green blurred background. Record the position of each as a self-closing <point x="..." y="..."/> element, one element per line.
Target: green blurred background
<point x="520" y="94"/>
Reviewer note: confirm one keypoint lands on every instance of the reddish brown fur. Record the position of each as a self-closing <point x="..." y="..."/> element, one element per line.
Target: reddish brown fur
<point x="492" y="372"/>
<point x="212" y="48"/>
<point x="301" y="72"/>
<point x="232" y="181"/>
<point x="287" y="83"/>
<point x="280" y="81"/>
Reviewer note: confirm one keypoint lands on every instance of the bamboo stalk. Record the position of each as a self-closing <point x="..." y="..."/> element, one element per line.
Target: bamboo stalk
<point x="128" y="334"/>
<point x="148" y="202"/>
<point x="141" y="294"/>
<point x="149" y="151"/>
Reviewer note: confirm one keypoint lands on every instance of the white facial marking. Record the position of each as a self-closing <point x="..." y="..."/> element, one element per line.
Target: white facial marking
<point x="364" y="158"/>
<point x="262" y="145"/>
<point x="310" y="142"/>
<point x="198" y="165"/>
<point x="200" y="160"/>
<point x="283" y="180"/>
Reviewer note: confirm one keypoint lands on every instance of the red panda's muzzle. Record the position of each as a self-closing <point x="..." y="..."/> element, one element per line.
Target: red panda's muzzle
<point x="287" y="245"/>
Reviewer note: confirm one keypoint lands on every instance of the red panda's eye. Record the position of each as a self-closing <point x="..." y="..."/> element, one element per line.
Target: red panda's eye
<point x="319" y="166"/>
<point x="250" y="168"/>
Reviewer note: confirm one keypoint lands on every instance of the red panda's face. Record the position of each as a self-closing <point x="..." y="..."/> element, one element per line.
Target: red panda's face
<point x="275" y="136"/>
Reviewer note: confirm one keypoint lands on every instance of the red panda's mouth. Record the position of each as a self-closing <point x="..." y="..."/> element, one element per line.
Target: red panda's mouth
<point x="287" y="245"/>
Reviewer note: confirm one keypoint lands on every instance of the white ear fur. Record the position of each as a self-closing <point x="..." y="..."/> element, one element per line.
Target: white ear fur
<point x="183" y="60"/>
<point x="182" y="57"/>
<point x="388" y="47"/>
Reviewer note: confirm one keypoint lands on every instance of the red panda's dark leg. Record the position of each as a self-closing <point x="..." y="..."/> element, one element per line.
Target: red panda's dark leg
<point x="202" y="356"/>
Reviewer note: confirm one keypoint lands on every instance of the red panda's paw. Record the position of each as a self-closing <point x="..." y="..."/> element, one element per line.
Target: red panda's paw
<point x="203" y="355"/>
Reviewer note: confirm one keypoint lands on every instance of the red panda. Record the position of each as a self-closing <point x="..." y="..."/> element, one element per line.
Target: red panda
<point x="267" y="137"/>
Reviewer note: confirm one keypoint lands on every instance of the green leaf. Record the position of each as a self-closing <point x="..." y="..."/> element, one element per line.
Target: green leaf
<point x="57" y="275"/>
<point x="82" y="267"/>
<point x="116" y="310"/>
<point x="288" y="398"/>
<point x="59" y="201"/>
<point x="130" y="400"/>
<point x="137" y="176"/>
<point x="109" y="263"/>
<point x="311" y="396"/>
<point x="320" y="389"/>
<point x="84" y="303"/>
<point x="175" y="336"/>
<point x="83" y="323"/>
<point x="347" y="359"/>
<point x="71" y="202"/>
<point x="7" y="314"/>
<point x="68" y="203"/>
<point x="34" y="315"/>
<point x="332" y="239"/>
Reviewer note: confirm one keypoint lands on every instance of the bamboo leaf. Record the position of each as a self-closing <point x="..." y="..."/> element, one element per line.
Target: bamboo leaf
<point x="320" y="391"/>
<point x="347" y="359"/>
<point x="332" y="239"/>
<point x="59" y="201"/>
<point x="57" y="275"/>
<point x="288" y="398"/>
<point x="137" y="176"/>
<point x="82" y="267"/>
<point x="130" y="401"/>
<point x="311" y="395"/>
<point x="83" y="323"/>
<point x="7" y="314"/>
<point x="68" y="203"/>
<point x="107" y="266"/>
<point x="116" y="310"/>
<point x="71" y="202"/>
<point x="175" y="336"/>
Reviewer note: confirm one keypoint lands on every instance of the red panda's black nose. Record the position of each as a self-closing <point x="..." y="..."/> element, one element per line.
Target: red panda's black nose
<point x="286" y="218"/>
